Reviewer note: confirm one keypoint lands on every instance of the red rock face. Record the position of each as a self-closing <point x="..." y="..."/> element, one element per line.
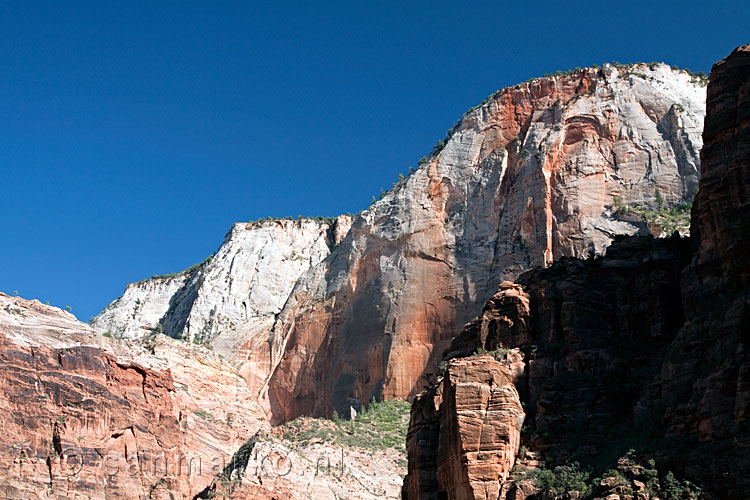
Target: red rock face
<point x="471" y="423"/>
<point x="527" y="178"/>
<point x="482" y="418"/>
<point x="80" y="422"/>
<point x="58" y="402"/>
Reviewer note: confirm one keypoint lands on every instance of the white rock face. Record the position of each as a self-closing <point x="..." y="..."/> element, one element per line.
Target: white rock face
<point x="29" y="323"/>
<point x="138" y="311"/>
<point x="236" y="294"/>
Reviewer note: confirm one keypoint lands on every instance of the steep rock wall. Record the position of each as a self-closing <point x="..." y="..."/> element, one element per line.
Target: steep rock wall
<point x="643" y="349"/>
<point x="707" y="373"/>
<point x="236" y="294"/>
<point x="87" y="417"/>
<point x="319" y="317"/>
<point x="465" y="432"/>
<point x="529" y="177"/>
<point x="138" y="311"/>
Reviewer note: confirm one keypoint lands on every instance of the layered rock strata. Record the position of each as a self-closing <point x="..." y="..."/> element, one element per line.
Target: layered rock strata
<point x="87" y="417"/>
<point x="465" y="432"/>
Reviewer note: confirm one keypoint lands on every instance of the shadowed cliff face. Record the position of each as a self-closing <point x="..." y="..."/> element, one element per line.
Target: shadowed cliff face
<point x="722" y="226"/>
<point x="644" y="348"/>
<point x="527" y="178"/>
<point x="709" y="367"/>
<point x="590" y="335"/>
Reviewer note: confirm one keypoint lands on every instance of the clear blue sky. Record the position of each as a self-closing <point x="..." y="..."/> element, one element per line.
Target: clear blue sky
<point x="133" y="136"/>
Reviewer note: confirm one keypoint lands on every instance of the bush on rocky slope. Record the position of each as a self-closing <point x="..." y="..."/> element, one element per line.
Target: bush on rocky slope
<point x="633" y="476"/>
<point x="190" y="270"/>
<point x="381" y="426"/>
<point x="666" y="219"/>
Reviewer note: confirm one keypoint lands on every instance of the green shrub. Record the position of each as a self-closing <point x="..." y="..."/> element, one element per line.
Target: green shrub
<point x="203" y="414"/>
<point x="498" y="353"/>
<point x="190" y="270"/>
<point x="652" y="477"/>
<point x="619" y="206"/>
<point x="380" y="426"/>
<point x="673" y="489"/>
<point x="614" y="473"/>
<point x="674" y="218"/>
<point x="562" y="479"/>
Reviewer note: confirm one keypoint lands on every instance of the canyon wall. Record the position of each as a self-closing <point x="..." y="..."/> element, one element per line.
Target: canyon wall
<point x="235" y="293"/>
<point x="644" y="347"/>
<point x="529" y="177"/>
<point x="85" y="417"/>
<point x="640" y="352"/>
<point x="321" y="318"/>
<point x="708" y="370"/>
<point x="88" y="417"/>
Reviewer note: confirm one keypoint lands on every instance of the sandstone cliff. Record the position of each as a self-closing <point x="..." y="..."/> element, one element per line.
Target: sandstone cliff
<point x="531" y="176"/>
<point x="465" y="431"/>
<point x="237" y="292"/>
<point x="644" y="349"/>
<point x="318" y="317"/>
<point x="707" y="372"/>
<point x="87" y="417"/>
<point x="536" y="173"/>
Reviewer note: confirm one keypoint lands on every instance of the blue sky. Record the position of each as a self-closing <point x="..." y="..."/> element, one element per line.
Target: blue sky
<point x="132" y="136"/>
